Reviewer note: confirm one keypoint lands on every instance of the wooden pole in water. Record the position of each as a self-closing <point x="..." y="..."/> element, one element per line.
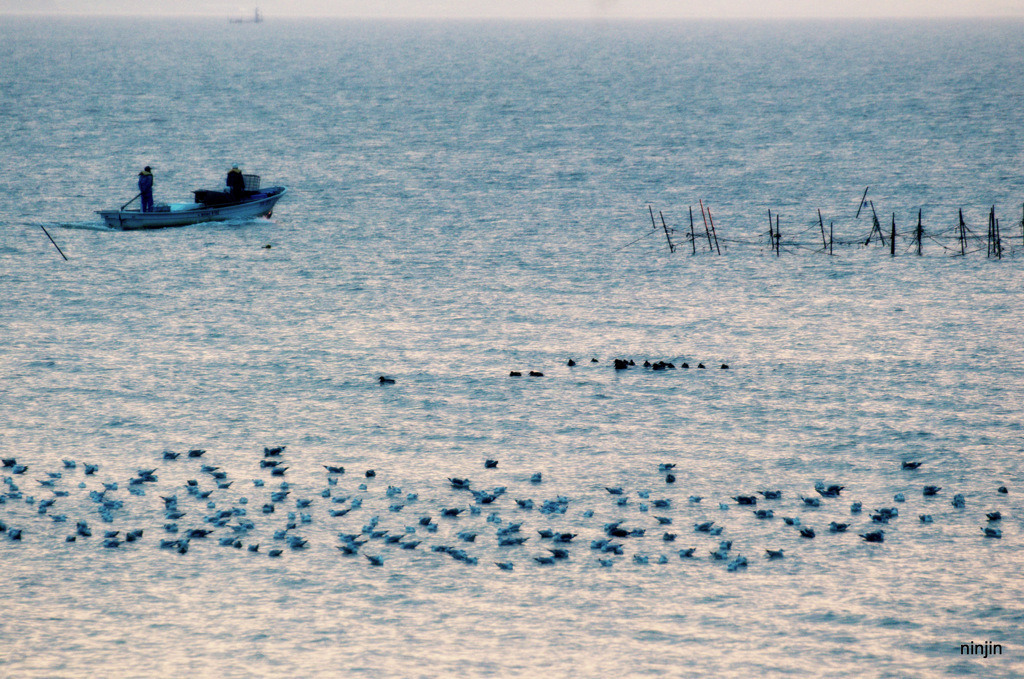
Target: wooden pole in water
<point x="54" y="242"/>
<point x="778" y="237"/>
<point x="861" y="203"/>
<point x="875" y="226"/>
<point x="771" y="230"/>
<point x="713" y="231"/>
<point x="651" y="210"/>
<point x="705" y="218"/>
<point x="693" y="240"/>
<point x="830" y="232"/>
<point x="919" y="234"/>
<point x="892" y="239"/>
<point x="963" y="235"/>
<point x="671" y="248"/>
<point x="990" y="240"/>
<point x="821" y="223"/>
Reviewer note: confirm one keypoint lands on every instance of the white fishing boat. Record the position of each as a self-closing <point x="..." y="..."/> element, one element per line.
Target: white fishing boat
<point x="209" y="206"/>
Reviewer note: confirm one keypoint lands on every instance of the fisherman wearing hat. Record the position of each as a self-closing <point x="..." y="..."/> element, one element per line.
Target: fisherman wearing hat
<point x="146" y="189"/>
<point x="236" y="183"/>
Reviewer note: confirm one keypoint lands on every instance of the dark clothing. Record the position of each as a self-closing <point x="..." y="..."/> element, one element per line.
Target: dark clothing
<point x="146" y="189"/>
<point x="236" y="183"/>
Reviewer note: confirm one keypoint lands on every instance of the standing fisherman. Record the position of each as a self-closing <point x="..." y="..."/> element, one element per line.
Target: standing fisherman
<point x="236" y="183"/>
<point x="146" y="189"/>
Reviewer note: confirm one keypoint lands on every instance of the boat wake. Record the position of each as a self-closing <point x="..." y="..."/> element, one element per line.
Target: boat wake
<point x="85" y="226"/>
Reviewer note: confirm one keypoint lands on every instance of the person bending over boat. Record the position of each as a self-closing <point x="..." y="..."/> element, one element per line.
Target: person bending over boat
<point x="146" y="189"/>
<point x="236" y="183"/>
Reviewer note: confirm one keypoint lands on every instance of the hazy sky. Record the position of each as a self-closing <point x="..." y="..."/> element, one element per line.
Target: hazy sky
<point x="581" y="9"/>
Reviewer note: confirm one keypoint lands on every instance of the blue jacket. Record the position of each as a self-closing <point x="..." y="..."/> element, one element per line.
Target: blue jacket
<point x="145" y="181"/>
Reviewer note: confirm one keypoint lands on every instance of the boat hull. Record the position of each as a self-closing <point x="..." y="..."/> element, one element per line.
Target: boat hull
<point x="131" y="220"/>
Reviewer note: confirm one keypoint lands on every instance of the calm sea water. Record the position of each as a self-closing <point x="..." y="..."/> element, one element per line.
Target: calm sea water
<point x="469" y="199"/>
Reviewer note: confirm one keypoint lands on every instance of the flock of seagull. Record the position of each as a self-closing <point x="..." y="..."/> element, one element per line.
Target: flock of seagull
<point x="468" y="521"/>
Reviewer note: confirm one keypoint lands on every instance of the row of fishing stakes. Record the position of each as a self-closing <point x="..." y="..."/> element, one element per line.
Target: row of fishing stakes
<point x="962" y="234"/>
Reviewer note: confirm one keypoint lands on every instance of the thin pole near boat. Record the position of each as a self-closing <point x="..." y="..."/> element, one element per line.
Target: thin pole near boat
<point x="54" y="242"/>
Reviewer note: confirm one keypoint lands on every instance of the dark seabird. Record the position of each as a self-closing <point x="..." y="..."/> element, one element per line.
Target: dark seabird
<point x="569" y="363"/>
<point x="911" y="465"/>
<point x="700" y="366"/>
<point x="536" y="373"/>
<point x="831" y="491"/>
<point x="745" y="500"/>
<point x="926" y="518"/>
<point x="704" y="527"/>
<point x="333" y="469"/>
<point x="385" y="380"/>
<point x="536" y="478"/>
<point x="515" y="373"/>
<point x="275" y="451"/>
<point x="614" y="491"/>
<point x="838" y="527"/>
<point x="370" y="473"/>
<point x="874" y="536"/>
<point x="855" y="507"/>
<point x="1003" y="490"/>
<point x="958" y="501"/>
<point x="170" y="455"/>
<point x="724" y="367"/>
<point x="774" y="553"/>
<point x="992" y="532"/>
<point x="807" y="532"/>
<point x="544" y="560"/>
<point x="196" y="452"/>
<point x="929" y="491"/>
<point x="668" y="537"/>
<point x="811" y="501"/>
<point x="459" y="484"/>
<point x="994" y="516"/>
<point x="275" y="553"/>
<point x="507" y="565"/>
<point x="666" y="466"/>
<point x="594" y="360"/>
<point x="490" y="464"/>
<point x="559" y="553"/>
<point x="764" y="513"/>
<point x="771" y="494"/>
<point x="686" y="366"/>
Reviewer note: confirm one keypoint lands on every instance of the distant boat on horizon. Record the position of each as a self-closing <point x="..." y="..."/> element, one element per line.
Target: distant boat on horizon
<point x="256" y="18"/>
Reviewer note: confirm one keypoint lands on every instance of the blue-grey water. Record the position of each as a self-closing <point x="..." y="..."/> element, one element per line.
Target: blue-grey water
<point x="470" y="199"/>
